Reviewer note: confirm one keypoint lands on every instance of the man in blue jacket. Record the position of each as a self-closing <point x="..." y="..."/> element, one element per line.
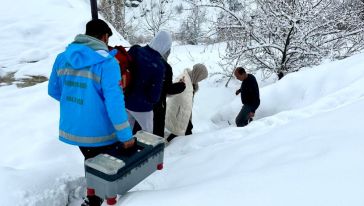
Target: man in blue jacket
<point x="85" y="80"/>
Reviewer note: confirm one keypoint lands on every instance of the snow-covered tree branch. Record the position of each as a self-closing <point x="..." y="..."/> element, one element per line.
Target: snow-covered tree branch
<point x="286" y="35"/>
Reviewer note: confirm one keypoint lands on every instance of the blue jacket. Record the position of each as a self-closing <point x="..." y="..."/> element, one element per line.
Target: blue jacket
<point x="86" y="84"/>
<point x="147" y="79"/>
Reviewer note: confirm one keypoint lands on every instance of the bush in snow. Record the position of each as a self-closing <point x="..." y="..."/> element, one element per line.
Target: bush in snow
<point x="190" y="30"/>
<point x="114" y="12"/>
<point x="155" y="14"/>
<point x="285" y="35"/>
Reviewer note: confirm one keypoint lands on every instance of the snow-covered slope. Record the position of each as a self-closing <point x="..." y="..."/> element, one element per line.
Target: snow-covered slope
<point x="320" y="88"/>
<point x="34" y="32"/>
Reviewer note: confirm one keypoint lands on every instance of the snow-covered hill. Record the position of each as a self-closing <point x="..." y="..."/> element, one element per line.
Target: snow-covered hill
<point x="34" y="32"/>
<point x="305" y="146"/>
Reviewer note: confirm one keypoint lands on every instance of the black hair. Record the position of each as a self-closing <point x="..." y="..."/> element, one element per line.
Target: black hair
<point x="97" y="28"/>
<point x="240" y="70"/>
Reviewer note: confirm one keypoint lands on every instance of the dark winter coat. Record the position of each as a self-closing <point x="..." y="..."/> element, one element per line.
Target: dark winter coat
<point x="169" y="88"/>
<point x="250" y="92"/>
<point x="147" y="79"/>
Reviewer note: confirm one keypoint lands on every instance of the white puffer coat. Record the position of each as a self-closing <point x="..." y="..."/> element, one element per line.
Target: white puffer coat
<point x="179" y="107"/>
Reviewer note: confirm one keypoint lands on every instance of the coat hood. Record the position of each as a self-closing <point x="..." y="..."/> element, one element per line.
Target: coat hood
<point x="162" y="42"/>
<point x="85" y="51"/>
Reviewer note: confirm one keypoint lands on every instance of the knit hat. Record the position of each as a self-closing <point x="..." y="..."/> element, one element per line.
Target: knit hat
<point x="198" y="73"/>
<point x="162" y="42"/>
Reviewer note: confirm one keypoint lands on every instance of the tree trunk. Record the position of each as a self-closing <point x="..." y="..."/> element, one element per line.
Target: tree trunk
<point x="94" y="12"/>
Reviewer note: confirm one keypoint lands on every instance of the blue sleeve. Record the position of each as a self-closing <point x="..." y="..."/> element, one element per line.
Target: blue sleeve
<point x="114" y="100"/>
<point x="54" y="88"/>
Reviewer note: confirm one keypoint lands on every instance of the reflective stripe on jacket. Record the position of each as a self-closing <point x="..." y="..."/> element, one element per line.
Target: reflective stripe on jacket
<point x="92" y="109"/>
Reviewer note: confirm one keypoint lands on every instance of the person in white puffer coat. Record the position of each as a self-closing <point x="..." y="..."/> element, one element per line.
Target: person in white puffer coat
<point x="179" y="106"/>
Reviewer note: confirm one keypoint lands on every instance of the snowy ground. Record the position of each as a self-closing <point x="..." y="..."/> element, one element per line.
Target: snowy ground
<point x="305" y="146"/>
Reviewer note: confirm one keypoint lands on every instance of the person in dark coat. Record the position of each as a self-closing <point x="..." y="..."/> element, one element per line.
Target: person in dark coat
<point x="159" y="109"/>
<point x="169" y="88"/>
<point x="249" y="91"/>
<point x="146" y="86"/>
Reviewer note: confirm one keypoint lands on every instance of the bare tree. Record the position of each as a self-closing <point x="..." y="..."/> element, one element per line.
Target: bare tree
<point x="281" y="36"/>
<point x="114" y="12"/>
<point x="155" y="14"/>
<point x="190" y="30"/>
<point x="352" y="18"/>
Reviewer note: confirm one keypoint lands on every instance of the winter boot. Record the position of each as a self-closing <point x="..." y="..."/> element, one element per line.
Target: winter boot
<point x="92" y="201"/>
<point x="250" y="120"/>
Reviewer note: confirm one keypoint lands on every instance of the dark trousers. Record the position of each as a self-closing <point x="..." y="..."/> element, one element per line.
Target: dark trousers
<point x="136" y="128"/>
<point x="89" y="152"/>
<point x="188" y="131"/>
<point x="189" y="128"/>
<point x="115" y="149"/>
<point x="159" y="119"/>
<point x="243" y="117"/>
